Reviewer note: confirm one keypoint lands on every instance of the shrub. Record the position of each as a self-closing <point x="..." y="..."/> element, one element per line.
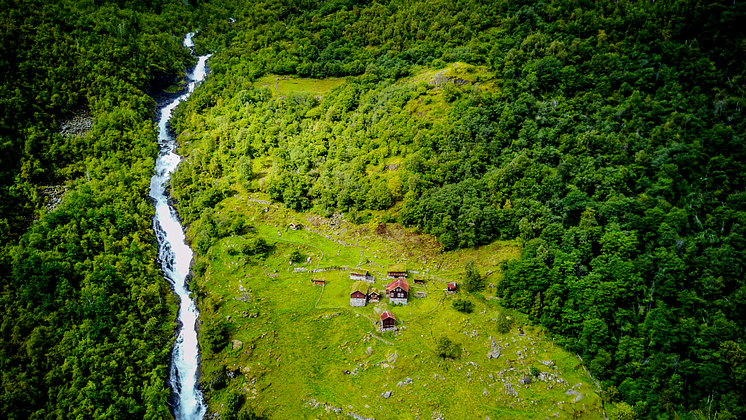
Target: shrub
<point x="503" y="323"/>
<point x="214" y="335"/>
<point x="297" y="257"/>
<point x="447" y="349"/>
<point x="463" y="305"/>
<point x="254" y="246"/>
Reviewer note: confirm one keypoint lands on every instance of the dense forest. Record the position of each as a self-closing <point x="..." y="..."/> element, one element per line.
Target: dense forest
<point x="86" y="318"/>
<point x="608" y="137"/>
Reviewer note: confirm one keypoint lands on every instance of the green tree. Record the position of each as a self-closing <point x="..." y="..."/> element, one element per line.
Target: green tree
<point x="446" y="348"/>
<point x="463" y="305"/>
<point x="473" y="281"/>
<point x="214" y="335"/>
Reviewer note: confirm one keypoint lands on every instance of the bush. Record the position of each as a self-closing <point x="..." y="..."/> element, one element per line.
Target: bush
<point x="214" y="335"/>
<point x="503" y="323"/>
<point x="297" y="257"/>
<point x="233" y="403"/>
<point x="463" y="305"/>
<point x="202" y="244"/>
<point x="255" y="246"/>
<point x="447" y="349"/>
<point x="217" y="380"/>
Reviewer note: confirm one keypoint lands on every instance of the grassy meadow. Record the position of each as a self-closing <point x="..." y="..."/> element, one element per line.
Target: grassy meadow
<point x="291" y="342"/>
<point x="284" y="85"/>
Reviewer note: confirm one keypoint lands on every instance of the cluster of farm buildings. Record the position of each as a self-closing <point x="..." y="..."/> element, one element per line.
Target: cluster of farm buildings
<point x="397" y="291"/>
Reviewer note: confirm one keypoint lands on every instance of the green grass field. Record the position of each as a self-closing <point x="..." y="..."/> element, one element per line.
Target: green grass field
<point x="297" y="339"/>
<point x="284" y="85"/>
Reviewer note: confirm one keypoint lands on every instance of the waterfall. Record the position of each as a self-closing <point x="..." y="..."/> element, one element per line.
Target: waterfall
<point x="175" y="258"/>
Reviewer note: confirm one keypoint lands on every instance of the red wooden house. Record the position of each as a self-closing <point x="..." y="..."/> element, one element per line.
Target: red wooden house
<point x="398" y="291"/>
<point x="452" y="287"/>
<point x="388" y="321"/>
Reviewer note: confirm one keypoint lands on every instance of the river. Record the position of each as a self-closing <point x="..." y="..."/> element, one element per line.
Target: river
<point x="175" y="258"/>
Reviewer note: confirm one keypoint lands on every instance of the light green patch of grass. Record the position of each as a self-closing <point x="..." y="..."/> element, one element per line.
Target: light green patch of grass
<point x="297" y="339"/>
<point x="459" y="70"/>
<point x="433" y="105"/>
<point x="285" y="85"/>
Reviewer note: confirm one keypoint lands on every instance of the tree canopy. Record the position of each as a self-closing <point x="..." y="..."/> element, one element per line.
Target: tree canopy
<point x="607" y="137"/>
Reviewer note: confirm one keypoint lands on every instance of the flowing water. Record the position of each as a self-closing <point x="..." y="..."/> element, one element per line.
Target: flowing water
<point x="175" y="258"/>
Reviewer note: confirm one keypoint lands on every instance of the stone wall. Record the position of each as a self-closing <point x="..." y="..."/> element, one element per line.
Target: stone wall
<point x="399" y="301"/>
<point x="357" y="302"/>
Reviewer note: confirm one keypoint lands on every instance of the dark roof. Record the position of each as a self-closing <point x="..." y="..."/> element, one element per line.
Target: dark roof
<point x="398" y="283"/>
<point x="387" y="315"/>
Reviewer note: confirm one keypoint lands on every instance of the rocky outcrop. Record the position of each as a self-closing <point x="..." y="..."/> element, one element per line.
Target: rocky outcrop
<point x="494" y="352"/>
<point x="53" y="195"/>
<point x="77" y="125"/>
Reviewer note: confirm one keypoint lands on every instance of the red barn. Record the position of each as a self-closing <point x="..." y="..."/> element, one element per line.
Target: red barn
<point x="388" y="321"/>
<point x="452" y="287"/>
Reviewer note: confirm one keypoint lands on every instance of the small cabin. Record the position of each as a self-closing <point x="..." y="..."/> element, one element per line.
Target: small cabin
<point x="359" y="294"/>
<point x="388" y="321"/>
<point x="374" y="295"/>
<point x="358" y="275"/>
<point x="419" y="281"/>
<point x="397" y="271"/>
<point x="398" y="291"/>
<point x="452" y="287"/>
<point x="318" y="282"/>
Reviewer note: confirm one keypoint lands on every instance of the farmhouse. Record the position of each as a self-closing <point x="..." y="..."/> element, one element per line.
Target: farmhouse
<point x="388" y="321"/>
<point x="452" y="287"/>
<point x="359" y="294"/>
<point x="318" y="281"/>
<point x="374" y="295"/>
<point x="397" y="271"/>
<point x="363" y="275"/>
<point x="398" y="291"/>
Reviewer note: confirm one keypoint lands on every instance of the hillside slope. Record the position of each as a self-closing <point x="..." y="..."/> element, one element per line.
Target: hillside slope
<point x="607" y="137"/>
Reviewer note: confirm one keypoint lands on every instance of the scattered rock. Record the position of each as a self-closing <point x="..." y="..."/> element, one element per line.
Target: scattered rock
<point x="578" y="395"/>
<point x="494" y="353"/>
<point x="386" y="394"/>
<point x="404" y="382"/>
<point x="77" y="125"/>
<point x="237" y="344"/>
<point x="359" y="417"/>
<point x="53" y="194"/>
<point x="509" y="390"/>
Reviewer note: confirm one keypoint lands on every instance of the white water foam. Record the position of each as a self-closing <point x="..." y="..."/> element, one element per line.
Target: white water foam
<point x="175" y="258"/>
